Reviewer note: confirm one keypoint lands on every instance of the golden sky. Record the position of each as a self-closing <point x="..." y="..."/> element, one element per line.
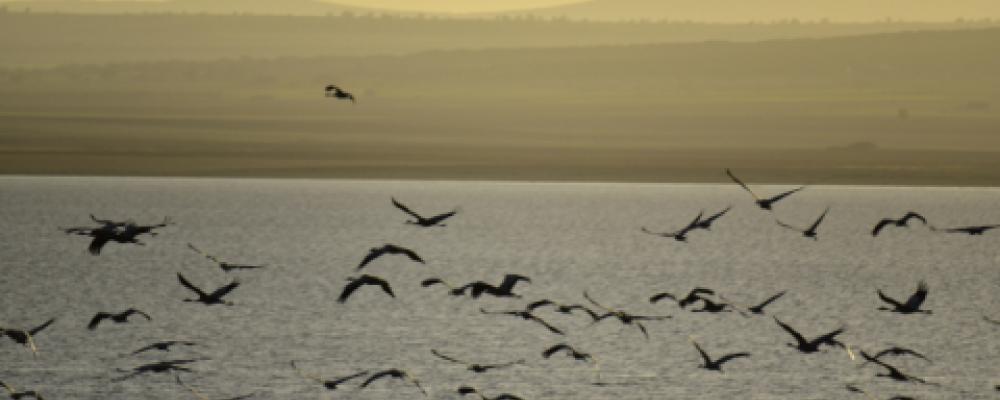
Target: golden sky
<point x="456" y="6"/>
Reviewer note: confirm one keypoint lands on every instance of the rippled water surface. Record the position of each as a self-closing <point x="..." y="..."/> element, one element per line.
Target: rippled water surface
<point x="567" y="237"/>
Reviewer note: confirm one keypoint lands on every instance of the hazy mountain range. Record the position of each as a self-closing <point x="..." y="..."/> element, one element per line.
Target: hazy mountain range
<point x="695" y="10"/>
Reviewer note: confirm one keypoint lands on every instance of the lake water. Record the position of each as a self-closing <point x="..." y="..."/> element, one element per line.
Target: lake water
<point x="567" y="237"/>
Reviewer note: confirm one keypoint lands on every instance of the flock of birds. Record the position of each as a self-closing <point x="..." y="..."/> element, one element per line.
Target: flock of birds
<point x="709" y="301"/>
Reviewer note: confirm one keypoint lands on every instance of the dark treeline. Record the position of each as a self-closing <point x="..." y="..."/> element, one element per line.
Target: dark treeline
<point x="45" y="39"/>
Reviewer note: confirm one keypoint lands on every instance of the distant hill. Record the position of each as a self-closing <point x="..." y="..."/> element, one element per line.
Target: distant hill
<point x="771" y="10"/>
<point x="271" y="7"/>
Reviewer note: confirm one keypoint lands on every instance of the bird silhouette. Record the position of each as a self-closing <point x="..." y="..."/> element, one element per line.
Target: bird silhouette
<point x="477" y="368"/>
<point x="421" y="221"/>
<point x="680" y="235"/>
<point x="569" y="350"/>
<point x="716" y="365"/>
<point x="17" y="395"/>
<point x="119" y="318"/>
<point x="163" y="346"/>
<point x="465" y="390"/>
<point x="208" y="299"/>
<point x="898" y="351"/>
<point x="968" y="230"/>
<point x="225" y="266"/>
<point x="707" y="222"/>
<point x="763" y="203"/>
<point x="809" y="232"/>
<point x="562" y="308"/>
<point x="363" y="280"/>
<point x="811" y="346"/>
<point x="119" y="232"/>
<point x="505" y="289"/>
<point x="203" y="397"/>
<point x="332" y="384"/>
<point x="759" y="309"/>
<point x="157" y="367"/>
<point x="377" y="252"/>
<point x="338" y="93"/>
<point x="891" y="371"/>
<point x="26" y="337"/>
<point x="527" y="316"/>
<point x="396" y="374"/>
<point x="693" y="296"/>
<point x="912" y="304"/>
<point x="902" y="222"/>
<point x="624" y="317"/>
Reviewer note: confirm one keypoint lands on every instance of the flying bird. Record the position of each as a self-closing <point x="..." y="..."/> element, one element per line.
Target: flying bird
<point x="329" y="384"/>
<point x="363" y="280"/>
<point x="157" y="367"/>
<point x="111" y="231"/>
<point x="902" y="222"/>
<point x="569" y="350"/>
<point x="202" y="397"/>
<point x="17" y="395"/>
<point x="899" y="351"/>
<point x="225" y="266"/>
<point x="505" y="289"/>
<point x="421" y="221"/>
<point x="624" y="317"/>
<point x="396" y="374"/>
<point x="912" y="304"/>
<point x="26" y="337"/>
<point x="763" y="203"/>
<point x="681" y="235"/>
<point x="208" y="299"/>
<point x="709" y="306"/>
<point x="377" y="252"/>
<point x="338" y="93"/>
<point x="527" y="316"/>
<point x="811" y="346"/>
<point x="693" y="296"/>
<point x="809" y="232"/>
<point x="968" y="230"/>
<point x="891" y="371"/>
<point x="163" y="346"/>
<point x="716" y="365"/>
<point x="477" y="368"/>
<point x="119" y="318"/>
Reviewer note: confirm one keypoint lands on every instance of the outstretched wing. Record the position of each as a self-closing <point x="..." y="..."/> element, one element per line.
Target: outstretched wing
<point x="775" y="198"/>
<point x="438" y="218"/>
<point x="405" y="209"/>
<point x="818" y="221"/>
<point x="35" y="330"/>
<point x="728" y="357"/>
<point x="190" y="286"/>
<point x="918" y="297"/>
<point x="798" y="337"/>
<point x="220" y="292"/>
<point x="136" y="311"/>
<point x="547" y="325"/>
<point x="768" y="301"/>
<point x="829" y="338"/>
<point x="373" y="254"/>
<point x="587" y="296"/>
<point x="97" y="320"/>
<point x="206" y="255"/>
<point x="704" y="356"/>
<point x="743" y="185"/>
<point x="911" y="214"/>
<point x="412" y="255"/>
<point x="552" y="350"/>
<point x="660" y="296"/>
<point x="784" y="225"/>
<point x="888" y="299"/>
<point x="708" y="221"/>
<point x="447" y="358"/>
<point x="881" y="224"/>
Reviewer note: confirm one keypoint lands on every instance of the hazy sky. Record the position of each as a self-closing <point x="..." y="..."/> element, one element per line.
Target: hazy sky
<point x="456" y="5"/>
